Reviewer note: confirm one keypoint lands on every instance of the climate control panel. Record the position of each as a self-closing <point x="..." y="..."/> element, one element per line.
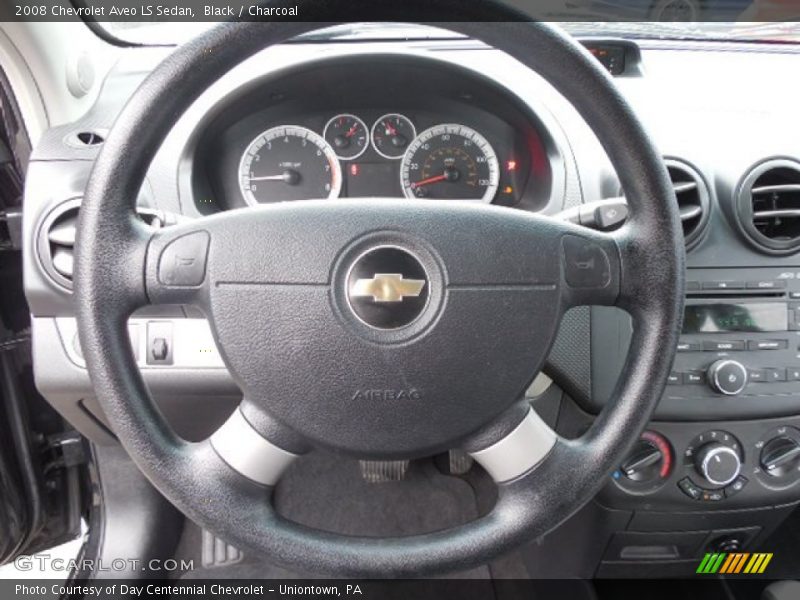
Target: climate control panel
<point x="685" y="466"/>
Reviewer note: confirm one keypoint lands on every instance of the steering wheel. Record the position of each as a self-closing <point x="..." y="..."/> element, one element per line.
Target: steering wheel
<point x="462" y="304"/>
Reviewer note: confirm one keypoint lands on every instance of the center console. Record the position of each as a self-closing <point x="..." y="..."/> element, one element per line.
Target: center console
<point x="720" y="462"/>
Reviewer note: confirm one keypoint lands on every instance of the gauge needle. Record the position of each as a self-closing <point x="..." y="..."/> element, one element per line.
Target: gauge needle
<point x="352" y="131"/>
<point x="389" y="129"/>
<point x="428" y="181"/>
<point x="288" y="176"/>
<point x="268" y="178"/>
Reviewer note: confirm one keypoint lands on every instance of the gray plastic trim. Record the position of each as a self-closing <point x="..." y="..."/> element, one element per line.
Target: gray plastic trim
<point x="248" y="452"/>
<point x="519" y="451"/>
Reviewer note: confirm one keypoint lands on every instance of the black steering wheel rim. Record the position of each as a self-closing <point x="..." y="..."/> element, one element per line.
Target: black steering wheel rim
<point x="112" y="241"/>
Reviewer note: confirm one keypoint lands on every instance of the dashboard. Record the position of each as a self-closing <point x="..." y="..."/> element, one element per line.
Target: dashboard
<point x="454" y="120"/>
<point x="363" y="133"/>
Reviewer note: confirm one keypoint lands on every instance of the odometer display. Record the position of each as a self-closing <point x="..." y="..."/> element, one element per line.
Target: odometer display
<point x="289" y="163"/>
<point x="450" y="162"/>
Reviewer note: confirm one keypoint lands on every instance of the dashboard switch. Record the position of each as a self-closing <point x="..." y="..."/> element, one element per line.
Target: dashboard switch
<point x="690" y="489"/>
<point x="159" y="343"/>
<point x="735" y="487"/>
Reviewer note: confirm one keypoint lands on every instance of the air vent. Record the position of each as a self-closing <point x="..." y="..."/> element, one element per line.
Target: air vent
<point x="692" y="194"/>
<point x="768" y="206"/>
<point x="56" y="237"/>
<point x="56" y="242"/>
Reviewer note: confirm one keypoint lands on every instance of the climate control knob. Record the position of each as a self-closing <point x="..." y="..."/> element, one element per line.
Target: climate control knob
<point x="780" y="456"/>
<point x="727" y="377"/>
<point x="718" y="464"/>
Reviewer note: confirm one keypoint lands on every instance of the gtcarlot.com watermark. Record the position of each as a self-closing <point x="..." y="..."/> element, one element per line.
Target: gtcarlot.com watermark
<point x="45" y="562"/>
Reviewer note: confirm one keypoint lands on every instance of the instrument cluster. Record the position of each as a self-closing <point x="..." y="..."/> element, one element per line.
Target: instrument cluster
<point x="446" y="161"/>
<point x="374" y="127"/>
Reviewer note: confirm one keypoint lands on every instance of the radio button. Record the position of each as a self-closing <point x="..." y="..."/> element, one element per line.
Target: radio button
<point x="794" y="295"/>
<point x="674" y="378"/>
<point x="777" y="284"/>
<point x="689" y="346"/>
<point x="793" y="374"/>
<point x="693" y="377"/>
<point x="756" y="375"/>
<point x="723" y="285"/>
<point x="723" y="346"/>
<point x="767" y="345"/>
<point x="775" y="375"/>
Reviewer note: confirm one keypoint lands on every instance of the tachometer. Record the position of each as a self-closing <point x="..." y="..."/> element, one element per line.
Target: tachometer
<point x="450" y="162"/>
<point x="289" y="163"/>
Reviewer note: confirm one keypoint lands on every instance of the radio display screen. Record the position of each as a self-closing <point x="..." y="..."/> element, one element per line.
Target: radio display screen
<point x="721" y="318"/>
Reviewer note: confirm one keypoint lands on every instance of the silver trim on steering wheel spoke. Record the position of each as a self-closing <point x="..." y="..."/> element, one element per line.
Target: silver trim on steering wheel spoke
<point x="248" y="452"/>
<point x="519" y="451"/>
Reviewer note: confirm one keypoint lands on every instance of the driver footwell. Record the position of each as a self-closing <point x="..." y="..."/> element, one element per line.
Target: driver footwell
<point x="330" y="493"/>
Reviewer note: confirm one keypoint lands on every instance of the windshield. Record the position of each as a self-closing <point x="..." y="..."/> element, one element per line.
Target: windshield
<point x="788" y="32"/>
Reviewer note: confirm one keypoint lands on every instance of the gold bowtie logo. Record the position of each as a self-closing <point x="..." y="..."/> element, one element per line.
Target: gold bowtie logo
<point x="387" y="287"/>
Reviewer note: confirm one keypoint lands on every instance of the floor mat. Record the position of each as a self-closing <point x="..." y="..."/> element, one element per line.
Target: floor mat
<point x="328" y="492"/>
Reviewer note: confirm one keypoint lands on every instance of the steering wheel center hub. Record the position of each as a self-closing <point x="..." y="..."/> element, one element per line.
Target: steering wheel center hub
<point x="383" y="342"/>
<point x="387" y="288"/>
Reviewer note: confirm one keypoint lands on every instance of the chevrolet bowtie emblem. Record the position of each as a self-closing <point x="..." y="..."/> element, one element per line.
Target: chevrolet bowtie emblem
<point x="387" y="287"/>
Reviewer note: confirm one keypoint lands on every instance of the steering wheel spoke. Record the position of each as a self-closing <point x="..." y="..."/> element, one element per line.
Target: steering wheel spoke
<point x="517" y="450"/>
<point x="255" y="446"/>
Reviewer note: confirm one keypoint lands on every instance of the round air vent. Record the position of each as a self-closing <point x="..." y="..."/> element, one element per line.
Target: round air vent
<point x="768" y="206"/>
<point x="693" y="199"/>
<point x="56" y="237"/>
<point x="56" y="242"/>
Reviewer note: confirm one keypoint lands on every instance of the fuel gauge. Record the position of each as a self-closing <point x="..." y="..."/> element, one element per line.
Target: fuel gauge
<point x="347" y="135"/>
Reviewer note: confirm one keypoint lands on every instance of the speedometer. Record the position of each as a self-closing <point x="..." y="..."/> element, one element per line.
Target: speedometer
<point x="450" y="162"/>
<point x="289" y="163"/>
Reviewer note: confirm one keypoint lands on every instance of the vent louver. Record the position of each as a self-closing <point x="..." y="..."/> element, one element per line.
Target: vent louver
<point x="56" y="237"/>
<point x="57" y="242"/>
<point x="692" y="194"/>
<point x="768" y="206"/>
